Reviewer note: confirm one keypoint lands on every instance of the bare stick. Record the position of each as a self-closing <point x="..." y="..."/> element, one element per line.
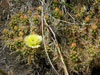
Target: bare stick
<point x="64" y="66"/>
<point x="42" y="24"/>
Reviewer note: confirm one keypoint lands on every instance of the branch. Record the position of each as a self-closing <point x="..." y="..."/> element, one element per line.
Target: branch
<point x="42" y="24"/>
<point x="56" y="44"/>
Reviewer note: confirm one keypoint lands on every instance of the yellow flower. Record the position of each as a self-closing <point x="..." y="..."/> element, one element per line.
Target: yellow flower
<point x="33" y="40"/>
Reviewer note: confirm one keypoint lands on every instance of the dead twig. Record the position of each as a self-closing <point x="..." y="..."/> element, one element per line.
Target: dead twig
<point x="42" y="25"/>
<point x="56" y="44"/>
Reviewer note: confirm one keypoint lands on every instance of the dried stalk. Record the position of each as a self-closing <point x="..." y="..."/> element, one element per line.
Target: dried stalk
<point x="65" y="68"/>
<point x="42" y="25"/>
